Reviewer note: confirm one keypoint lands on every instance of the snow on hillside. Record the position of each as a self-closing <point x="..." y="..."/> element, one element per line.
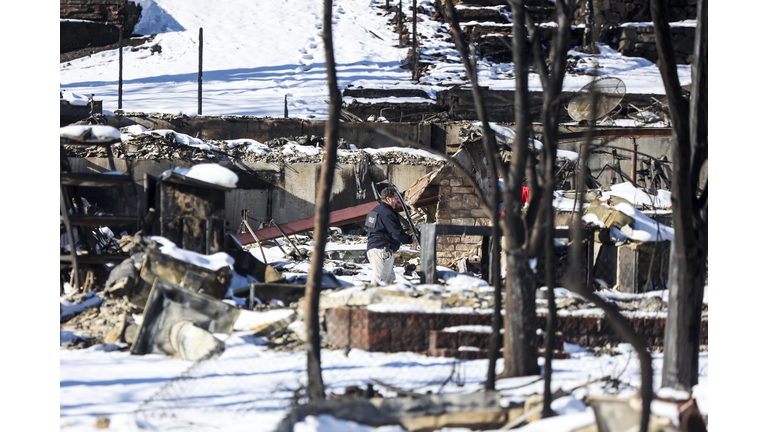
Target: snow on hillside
<point x="257" y="53"/>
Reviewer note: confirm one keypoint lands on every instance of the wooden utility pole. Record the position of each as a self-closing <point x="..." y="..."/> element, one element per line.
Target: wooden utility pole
<point x="200" y="74"/>
<point x="120" y="71"/>
<point x="589" y="27"/>
<point x="400" y="25"/>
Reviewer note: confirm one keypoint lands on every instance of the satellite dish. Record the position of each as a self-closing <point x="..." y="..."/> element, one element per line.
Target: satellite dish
<point x="610" y="91"/>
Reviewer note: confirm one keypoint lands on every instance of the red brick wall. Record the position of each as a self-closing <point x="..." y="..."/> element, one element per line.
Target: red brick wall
<point x="458" y="205"/>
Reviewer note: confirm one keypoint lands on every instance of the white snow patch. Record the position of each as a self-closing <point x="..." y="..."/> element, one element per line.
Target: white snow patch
<point x="210" y="262"/>
<point x="210" y="173"/>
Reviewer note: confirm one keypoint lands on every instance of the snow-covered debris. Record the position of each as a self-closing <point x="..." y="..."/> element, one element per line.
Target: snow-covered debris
<point x="211" y="262"/>
<point x="264" y="322"/>
<point x="99" y="133"/>
<point x="73" y="99"/>
<point x="250" y="145"/>
<point x="68" y="308"/>
<point x="644" y="228"/>
<point x="639" y="197"/>
<point x="210" y="173"/>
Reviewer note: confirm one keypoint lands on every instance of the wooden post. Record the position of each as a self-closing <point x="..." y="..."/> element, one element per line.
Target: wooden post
<point x="400" y="25"/>
<point x="285" y="107"/>
<point x="414" y="42"/>
<point x="589" y="27"/>
<point x="634" y="161"/>
<point x="200" y="75"/>
<point x="429" y="253"/>
<point x="120" y="71"/>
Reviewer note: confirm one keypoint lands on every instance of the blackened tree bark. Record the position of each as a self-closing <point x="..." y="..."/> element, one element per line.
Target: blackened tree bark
<point x="589" y="27"/>
<point x="688" y="258"/>
<point x="520" y="352"/>
<point x="491" y="148"/>
<point x="315" y="387"/>
<point x="552" y="83"/>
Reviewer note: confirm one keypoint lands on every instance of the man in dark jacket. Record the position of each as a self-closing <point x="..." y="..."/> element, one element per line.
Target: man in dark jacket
<point x="385" y="235"/>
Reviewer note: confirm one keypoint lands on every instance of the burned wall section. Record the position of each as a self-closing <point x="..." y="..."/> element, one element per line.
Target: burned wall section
<point x="119" y="13"/>
<point x="283" y="192"/>
<point x="620" y="24"/>
<point x="362" y="134"/>
<point x="611" y="13"/>
<point x="611" y="148"/>
<point x="95" y="23"/>
<point x="500" y="104"/>
<point x="640" y="41"/>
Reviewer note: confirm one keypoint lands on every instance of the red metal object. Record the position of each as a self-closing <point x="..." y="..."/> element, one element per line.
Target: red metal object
<point x="336" y="218"/>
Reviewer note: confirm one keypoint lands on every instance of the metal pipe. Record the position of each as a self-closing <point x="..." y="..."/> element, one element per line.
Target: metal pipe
<point x="634" y="160"/>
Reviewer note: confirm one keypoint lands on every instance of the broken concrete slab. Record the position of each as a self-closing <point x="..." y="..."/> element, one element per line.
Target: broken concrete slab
<point x="418" y="414"/>
<point x="169" y="304"/>
<point x="264" y="323"/>
<point x="160" y="266"/>
<point x="192" y="343"/>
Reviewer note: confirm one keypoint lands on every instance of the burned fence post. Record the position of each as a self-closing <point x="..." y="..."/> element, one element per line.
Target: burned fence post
<point x="285" y="107"/>
<point x="200" y="74"/>
<point x="414" y="46"/>
<point x="428" y="253"/>
<point x="400" y="25"/>
<point x="120" y="70"/>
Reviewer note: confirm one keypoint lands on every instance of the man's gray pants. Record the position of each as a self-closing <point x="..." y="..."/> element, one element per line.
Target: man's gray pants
<point x="383" y="263"/>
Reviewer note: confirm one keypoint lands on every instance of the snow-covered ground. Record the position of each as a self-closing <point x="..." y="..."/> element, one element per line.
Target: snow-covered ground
<point x="115" y="384"/>
<point x="47" y="387"/>
<point x="139" y="392"/>
<point x="257" y="53"/>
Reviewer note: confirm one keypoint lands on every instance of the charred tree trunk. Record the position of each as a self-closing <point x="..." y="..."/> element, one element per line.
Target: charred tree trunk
<point x="315" y="387"/>
<point x="687" y="265"/>
<point x="553" y="84"/>
<point x="589" y="27"/>
<point x="491" y="148"/>
<point x="520" y="352"/>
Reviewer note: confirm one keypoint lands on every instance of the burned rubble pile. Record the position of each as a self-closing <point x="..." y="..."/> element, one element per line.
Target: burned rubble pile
<point x="141" y="144"/>
<point x="129" y="294"/>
